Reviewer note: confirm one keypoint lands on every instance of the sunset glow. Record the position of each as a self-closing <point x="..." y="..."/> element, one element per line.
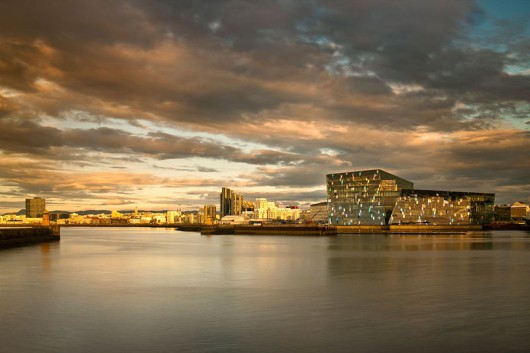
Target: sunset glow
<point x="158" y="104"/>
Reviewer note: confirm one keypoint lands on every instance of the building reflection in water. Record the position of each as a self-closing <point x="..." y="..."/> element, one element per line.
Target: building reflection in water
<point x="406" y="253"/>
<point x="47" y="251"/>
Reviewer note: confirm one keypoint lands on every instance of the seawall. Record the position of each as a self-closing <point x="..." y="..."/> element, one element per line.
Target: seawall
<point x="286" y="229"/>
<point x="272" y="229"/>
<point x="409" y="229"/>
<point x="328" y="230"/>
<point x="416" y="229"/>
<point x="13" y="237"/>
<point x="307" y="229"/>
<point x="507" y="226"/>
<point x="362" y="229"/>
<point x="189" y="227"/>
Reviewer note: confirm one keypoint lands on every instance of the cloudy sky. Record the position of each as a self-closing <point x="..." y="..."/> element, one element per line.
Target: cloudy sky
<point x="158" y="103"/>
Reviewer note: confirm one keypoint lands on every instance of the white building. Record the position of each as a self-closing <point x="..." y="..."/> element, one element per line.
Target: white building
<point x="172" y="216"/>
<point x="268" y="210"/>
<point x="233" y="219"/>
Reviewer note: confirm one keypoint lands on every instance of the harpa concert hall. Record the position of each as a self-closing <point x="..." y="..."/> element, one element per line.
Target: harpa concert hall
<point x="376" y="197"/>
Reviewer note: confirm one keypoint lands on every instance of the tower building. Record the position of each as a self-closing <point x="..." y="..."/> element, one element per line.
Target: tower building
<point x="230" y="202"/>
<point x="35" y="207"/>
<point x="209" y="212"/>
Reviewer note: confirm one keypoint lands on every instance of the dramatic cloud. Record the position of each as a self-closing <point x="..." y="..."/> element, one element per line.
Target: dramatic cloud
<point x="113" y="100"/>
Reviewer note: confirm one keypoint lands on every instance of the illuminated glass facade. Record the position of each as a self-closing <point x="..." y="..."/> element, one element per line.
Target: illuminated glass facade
<point x="442" y="208"/>
<point x="363" y="197"/>
<point x="375" y="197"/>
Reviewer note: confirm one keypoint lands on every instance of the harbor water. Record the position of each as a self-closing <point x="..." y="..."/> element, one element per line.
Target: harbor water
<point x="160" y="290"/>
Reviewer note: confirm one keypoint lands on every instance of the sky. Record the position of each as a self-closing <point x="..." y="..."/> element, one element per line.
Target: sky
<point x="110" y="104"/>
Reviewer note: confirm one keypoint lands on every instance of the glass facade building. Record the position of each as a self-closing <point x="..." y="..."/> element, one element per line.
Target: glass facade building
<point x="363" y="197"/>
<point x="442" y="208"/>
<point x="376" y="197"/>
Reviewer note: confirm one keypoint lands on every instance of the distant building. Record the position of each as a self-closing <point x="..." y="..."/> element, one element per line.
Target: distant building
<point x="158" y="219"/>
<point x="209" y="212"/>
<point x="269" y="210"/>
<point x="189" y="218"/>
<point x="55" y="217"/>
<point x="231" y="203"/>
<point x="305" y="215"/>
<point x="261" y="203"/>
<point x="318" y="212"/>
<point x="248" y="206"/>
<point x="172" y="216"/>
<point x="233" y="219"/>
<point x="502" y="213"/>
<point x="518" y="211"/>
<point x="35" y="207"/>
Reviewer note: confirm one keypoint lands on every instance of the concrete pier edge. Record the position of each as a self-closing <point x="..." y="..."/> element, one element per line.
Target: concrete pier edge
<point x="21" y="236"/>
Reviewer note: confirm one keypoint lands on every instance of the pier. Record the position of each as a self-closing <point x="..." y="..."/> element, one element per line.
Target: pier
<point x="329" y="230"/>
<point x="409" y="229"/>
<point x="20" y="236"/>
<point x="270" y="229"/>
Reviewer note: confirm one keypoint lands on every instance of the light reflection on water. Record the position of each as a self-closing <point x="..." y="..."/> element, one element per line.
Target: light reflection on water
<point x="155" y="290"/>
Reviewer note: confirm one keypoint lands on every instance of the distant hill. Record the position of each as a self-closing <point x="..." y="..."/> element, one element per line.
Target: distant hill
<point x="83" y="213"/>
<point x="59" y="211"/>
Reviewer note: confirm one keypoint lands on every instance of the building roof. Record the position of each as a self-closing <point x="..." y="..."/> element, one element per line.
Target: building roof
<point x="370" y="172"/>
<point x="444" y="193"/>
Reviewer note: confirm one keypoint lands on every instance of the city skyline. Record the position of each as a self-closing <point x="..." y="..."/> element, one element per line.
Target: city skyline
<point x="158" y="105"/>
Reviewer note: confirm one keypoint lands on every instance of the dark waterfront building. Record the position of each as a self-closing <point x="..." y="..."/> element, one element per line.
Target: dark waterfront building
<point x="376" y="197"/>
<point x="231" y="203"/>
<point x="502" y="213"/>
<point x="515" y="213"/>
<point x="318" y="212"/>
<point x="518" y="211"/>
<point x="35" y="207"/>
<point x="363" y="197"/>
<point x="442" y="207"/>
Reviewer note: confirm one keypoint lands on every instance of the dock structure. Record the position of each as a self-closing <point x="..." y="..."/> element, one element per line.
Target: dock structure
<point x="270" y="229"/>
<point x="19" y="236"/>
<point x="332" y="230"/>
<point x="409" y="229"/>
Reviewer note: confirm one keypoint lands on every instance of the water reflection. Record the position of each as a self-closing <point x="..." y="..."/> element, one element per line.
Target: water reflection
<point x="45" y="257"/>
<point x="140" y="290"/>
<point x="48" y="252"/>
<point x="428" y="242"/>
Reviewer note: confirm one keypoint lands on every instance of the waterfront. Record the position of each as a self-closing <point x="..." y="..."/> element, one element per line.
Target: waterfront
<point x="158" y="290"/>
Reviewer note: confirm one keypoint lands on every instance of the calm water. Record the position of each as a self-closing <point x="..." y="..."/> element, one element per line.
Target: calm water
<point x="153" y="290"/>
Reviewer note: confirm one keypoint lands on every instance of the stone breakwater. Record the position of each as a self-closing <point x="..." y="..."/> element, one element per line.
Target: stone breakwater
<point x="12" y="237"/>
